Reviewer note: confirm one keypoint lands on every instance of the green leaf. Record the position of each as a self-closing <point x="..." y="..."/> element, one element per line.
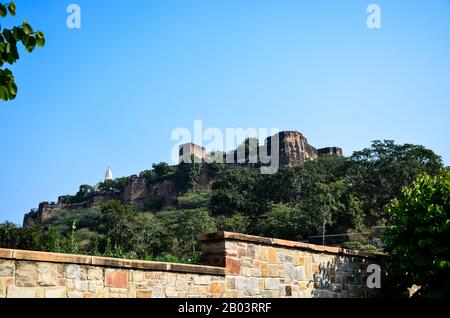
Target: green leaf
<point x="25" y="40"/>
<point x="40" y="39"/>
<point x="7" y="34"/>
<point x="442" y="264"/>
<point x="12" y="8"/>
<point x="18" y="33"/>
<point x="31" y="44"/>
<point x="14" y="52"/>
<point x="3" y="10"/>
<point x="27" y="28"/>
<point x="12" y="88"/>
<point x="4" y="93"/>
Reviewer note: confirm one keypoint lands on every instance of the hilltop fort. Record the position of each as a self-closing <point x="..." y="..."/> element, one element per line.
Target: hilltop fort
<point x="141" y="190"/>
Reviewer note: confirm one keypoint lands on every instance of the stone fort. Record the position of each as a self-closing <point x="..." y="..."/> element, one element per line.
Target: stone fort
<point x="293" y="149"/>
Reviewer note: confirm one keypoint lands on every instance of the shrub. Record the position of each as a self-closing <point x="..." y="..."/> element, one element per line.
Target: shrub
<point x="238" y="222"/>
<point x="197" y="199"/>
<point x="417" y="238"/>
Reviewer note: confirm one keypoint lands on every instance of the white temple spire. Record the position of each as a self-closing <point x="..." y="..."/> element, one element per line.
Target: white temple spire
<point x="108" y="175"/>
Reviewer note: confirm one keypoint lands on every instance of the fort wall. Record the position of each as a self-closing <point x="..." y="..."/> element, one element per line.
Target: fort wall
<point x="291" y="147"/>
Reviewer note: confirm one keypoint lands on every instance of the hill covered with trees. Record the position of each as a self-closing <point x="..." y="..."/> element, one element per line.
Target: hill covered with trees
<point x="328" y="196"/>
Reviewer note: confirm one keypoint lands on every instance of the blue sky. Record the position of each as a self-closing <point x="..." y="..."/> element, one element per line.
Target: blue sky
<point x="110" y="93"/>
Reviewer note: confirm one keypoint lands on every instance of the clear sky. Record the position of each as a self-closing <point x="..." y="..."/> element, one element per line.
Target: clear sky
<point x="110" y="93"/>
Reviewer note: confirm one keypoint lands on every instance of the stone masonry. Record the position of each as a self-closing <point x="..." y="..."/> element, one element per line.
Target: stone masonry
<point x="26" y="274"/>
<point x="271" y="268"/>
<point x="244" y="266"/>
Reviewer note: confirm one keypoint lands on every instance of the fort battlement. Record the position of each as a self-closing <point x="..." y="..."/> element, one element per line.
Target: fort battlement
<point x="291" y="148"/>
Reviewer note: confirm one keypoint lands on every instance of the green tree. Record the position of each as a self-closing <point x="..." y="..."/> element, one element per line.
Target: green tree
<point x="150" y="236"/>
<point x="8" y="235"/>
<point x="417" y="237"/>
<point x="324" y="206"/>
<point x="185" y="225"/>
<point x="187" y="175"/>
<point x="149" y="175"/>
<point x="36" y="237"/>
<point x="191" y="224"/>
<point x="9" y="52"/>
<point x="116" y="222"/>
<point x="195" y="199"/>
<point x="377" y="174"/>
<point x="239" y="190"/>
<point x="283" y="221"/>
<point x="294" y="184"/>
<point x="238" y="222"/>
<point x="53" y="240"/>
<point x="132" y="234"/>
<point x="215" y="168"/>
<point x="162" y="169"/>
<point x="84" y="192"/>
<point x="112" y="186"/>
<point x="306" y="200"/>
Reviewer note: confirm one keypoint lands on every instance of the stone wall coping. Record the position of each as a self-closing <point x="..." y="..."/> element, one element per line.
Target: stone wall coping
<point x="22" y="255"/>
<point x="223" y="235"/>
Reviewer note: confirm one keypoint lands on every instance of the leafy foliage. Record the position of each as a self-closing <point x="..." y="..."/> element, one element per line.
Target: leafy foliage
<point x="215" y="169"/>
<point x="149" y="174"/>
<point x="155" y="203"/>
<point x="9" y="53"/>
<point x="417" y="238"/>
<point x="238" y="222"/>
<point x="377" y="174"/>
<point x="186" y="225"/>
<point x="85" y="191"/>
<point x="285" y="220"/>
<point x="162" y="169"/>
<point x="355" y="245"/>
<point x="187" y="174"/>
<point x="36" y="238"/>
<point x="195" y="199"/>
<point x="112" y="186"/>
<point x="84" y="218"/>
<point x="237" y="191"/>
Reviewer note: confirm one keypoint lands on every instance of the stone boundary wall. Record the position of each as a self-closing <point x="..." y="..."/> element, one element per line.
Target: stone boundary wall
<point x="238" y="266"/>
<point x="272" y="268"/>
<point x="28" y="274"/>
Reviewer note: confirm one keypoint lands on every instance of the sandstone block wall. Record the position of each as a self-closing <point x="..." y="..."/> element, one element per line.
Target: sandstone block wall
<point x="238" y="266"/>
<point x="25" y="274"/>
<point x="264" y="267"/>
